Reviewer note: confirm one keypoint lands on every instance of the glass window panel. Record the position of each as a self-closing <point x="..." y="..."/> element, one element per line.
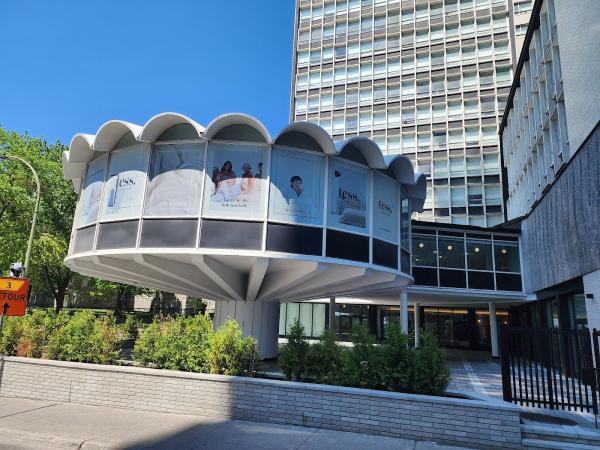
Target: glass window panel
<point x="306" y="318"/>
<point x="452" y="252"/>
<point x="507" y="257"/>
<point x="293" y="314"/>
<point x="92" y="192"/>
<point x="282" y="311"/>
<point x="126" y="183"/>
<point x="319" y="315"/>
<point x="458" y="197"/>
<point x="479" y="254"/>
<point x="174" y="169"/>
<point x="424" y="252"/>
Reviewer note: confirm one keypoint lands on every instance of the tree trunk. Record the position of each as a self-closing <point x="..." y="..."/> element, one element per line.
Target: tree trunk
<point x="120" y="298"/>
<point x="59" y="298"/>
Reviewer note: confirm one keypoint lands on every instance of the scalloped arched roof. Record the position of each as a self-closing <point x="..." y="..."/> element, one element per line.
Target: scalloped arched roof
<point x="368" y="148"/>
<point x="111" y="132"/>
<point x="163" y="121"/>
<point x="83" y="146"/>
<point x="236" y="119"/>
<point x="314" y="131"/>
<point x="401" y="167"/>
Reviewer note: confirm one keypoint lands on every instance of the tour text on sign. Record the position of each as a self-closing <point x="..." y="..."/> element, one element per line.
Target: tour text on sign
<point x="14" y="293"/>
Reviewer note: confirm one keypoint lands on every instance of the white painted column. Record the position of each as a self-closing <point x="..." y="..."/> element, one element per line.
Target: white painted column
<point x="494" y="331"/>
<point x="332" y="314"/>
<point x="257" y="319"/>
<point x="404" y="311"/>
<point x="417" y="325"/>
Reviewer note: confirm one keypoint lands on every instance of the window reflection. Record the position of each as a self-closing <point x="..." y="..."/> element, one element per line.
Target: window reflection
<point x="479" y="254"/>
<point x="174" y="169"/>
<point x="452" y="252"/>
<point x="507" y="257"/>
<point x="424" y="251"/>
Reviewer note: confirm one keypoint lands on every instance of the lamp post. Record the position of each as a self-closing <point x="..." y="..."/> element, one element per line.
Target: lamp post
<point x="35" y="210"/>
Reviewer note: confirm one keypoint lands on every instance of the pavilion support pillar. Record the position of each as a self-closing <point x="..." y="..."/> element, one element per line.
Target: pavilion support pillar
<point x="494" y="331"/>
<point x="404" y="311"/>
<point x="417" y="323"/>
<point x="332" y="315"/>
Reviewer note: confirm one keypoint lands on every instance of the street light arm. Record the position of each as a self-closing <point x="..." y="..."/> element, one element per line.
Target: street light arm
<point x="35" y="211"/>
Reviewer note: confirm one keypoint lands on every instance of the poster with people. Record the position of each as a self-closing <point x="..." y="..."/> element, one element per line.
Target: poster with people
<point x="125" y="185"/>
<point x="174" y="180"/>
<point x="348" y="196"/>
<point x="234" y="181"/>
<point x="296" y="187"/>
<point x="385" y="208"/>
<point x="92" y="192"/>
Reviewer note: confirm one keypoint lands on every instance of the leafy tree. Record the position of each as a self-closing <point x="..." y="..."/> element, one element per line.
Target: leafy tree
<point x="57" y="205"/>
<point x="120" y="292"/>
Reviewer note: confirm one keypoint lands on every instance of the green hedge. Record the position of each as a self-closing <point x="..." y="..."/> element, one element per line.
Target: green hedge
<point x="81" y="336"/>
<point x="394" y="365"/>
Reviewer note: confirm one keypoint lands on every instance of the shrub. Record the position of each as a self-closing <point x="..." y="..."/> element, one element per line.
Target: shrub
<point x="362" y="364"/>
<point x="176" y="344"/>
<point x="86" y="338"/>
<point x="398" y="360"/>
<point x="28" y="335"/>
<point x="230" y="353"/>
<point x="293" y="357"/>
<point x="131" y="326"/>
<point x="325" y="360"/>
<point x="11" y="333"/>
<point x="432" y="375"/>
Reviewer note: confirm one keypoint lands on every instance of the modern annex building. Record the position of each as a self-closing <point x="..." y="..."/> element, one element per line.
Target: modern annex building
<point x="550" y="141"/>
<point x="230" y="214"/>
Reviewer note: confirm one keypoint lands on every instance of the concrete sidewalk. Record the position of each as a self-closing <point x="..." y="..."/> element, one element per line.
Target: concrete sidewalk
<point x="37" y="424"/>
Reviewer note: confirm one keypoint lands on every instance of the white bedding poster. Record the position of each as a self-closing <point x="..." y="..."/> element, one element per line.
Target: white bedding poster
<point x="296" y="187"/>
<point x="175" y="180"/>
<point x="348" y="196"/>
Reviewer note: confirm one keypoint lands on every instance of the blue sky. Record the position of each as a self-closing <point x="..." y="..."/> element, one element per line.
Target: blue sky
<point x="69" y="66"/>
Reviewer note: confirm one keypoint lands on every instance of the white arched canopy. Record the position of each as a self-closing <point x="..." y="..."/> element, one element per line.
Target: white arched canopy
<point x="401" y="167"/>
<point x="226" y="120"/>
<point x="161" y="122"/>
<point x="369" y="150"/>
<point x="313" y="131"/>
<point x="110" y="133"/>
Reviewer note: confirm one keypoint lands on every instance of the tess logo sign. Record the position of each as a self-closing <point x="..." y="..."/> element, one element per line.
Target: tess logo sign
<point x="14" y="293"/>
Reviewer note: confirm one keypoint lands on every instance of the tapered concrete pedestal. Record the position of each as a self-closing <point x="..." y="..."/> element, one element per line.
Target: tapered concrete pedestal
<point x="257" y="319"/>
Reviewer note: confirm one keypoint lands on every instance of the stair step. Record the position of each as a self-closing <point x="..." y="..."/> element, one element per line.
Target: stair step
<point x="575" y="436"/>
<point x="555" y="445"/>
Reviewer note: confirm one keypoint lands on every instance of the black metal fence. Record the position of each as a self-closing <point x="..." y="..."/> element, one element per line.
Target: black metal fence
<point x="550" y="368"/>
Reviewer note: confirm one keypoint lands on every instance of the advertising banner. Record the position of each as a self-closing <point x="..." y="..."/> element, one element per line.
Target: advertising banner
<point x="348" y="196"/>
<point x="235" y="181"/>
<point x="92" y="192"/>
<point x="385" y="208"/>
<point x="125" y="185"/>
<point x="174" y="180"/>
<point x="296" y="187"/>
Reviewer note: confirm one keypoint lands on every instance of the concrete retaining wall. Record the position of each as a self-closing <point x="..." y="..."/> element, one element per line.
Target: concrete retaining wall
<point x="446" y="420"/>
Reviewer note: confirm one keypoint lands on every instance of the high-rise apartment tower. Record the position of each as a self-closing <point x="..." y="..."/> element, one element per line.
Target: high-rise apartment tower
<point x="428" y="79"/>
